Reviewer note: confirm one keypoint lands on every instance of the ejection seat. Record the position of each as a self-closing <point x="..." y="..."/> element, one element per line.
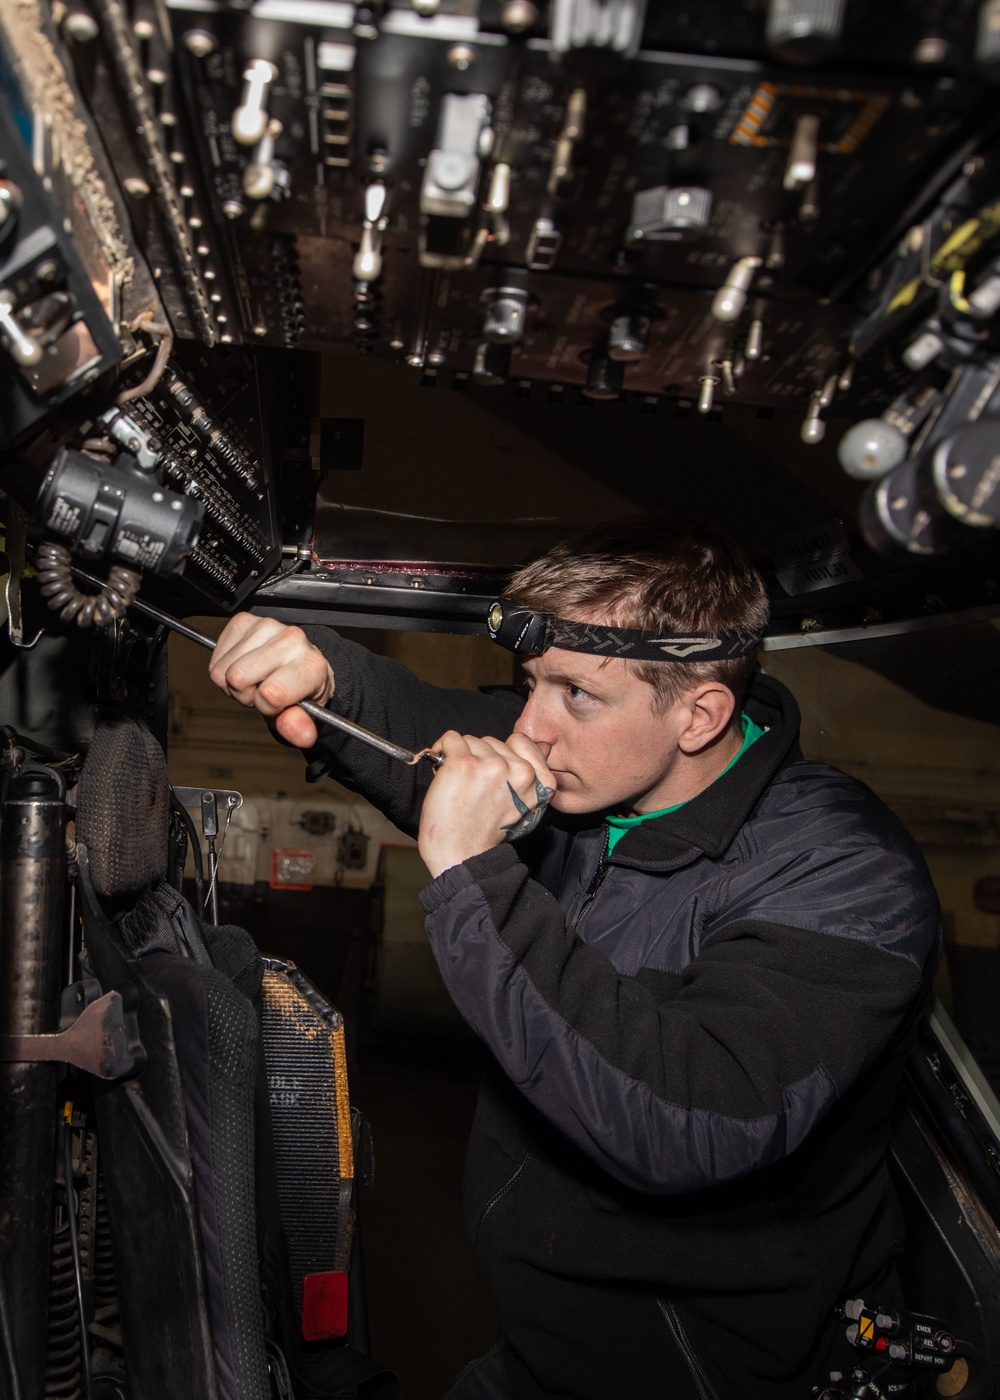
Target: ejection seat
<point x="228" y="1162"/>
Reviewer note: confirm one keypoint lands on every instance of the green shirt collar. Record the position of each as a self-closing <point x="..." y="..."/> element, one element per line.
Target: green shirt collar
<point x="617" y="826"/>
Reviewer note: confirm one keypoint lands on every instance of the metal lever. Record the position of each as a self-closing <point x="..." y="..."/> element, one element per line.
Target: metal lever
<point x="23" y="349"/>
<point x="209" y="801"/>
<point x="315" y="712"/>
<point x="527" y="822"/>
<point x="103" y="1041"/>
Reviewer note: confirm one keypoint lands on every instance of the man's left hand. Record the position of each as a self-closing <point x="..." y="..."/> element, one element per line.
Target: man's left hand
<point x="481" y="790"/>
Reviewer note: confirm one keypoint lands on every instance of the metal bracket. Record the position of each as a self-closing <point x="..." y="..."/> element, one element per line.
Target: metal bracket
<point x="220" y="797"/>
<point x="102" y="1041"/>
<point x="210" y="800"/>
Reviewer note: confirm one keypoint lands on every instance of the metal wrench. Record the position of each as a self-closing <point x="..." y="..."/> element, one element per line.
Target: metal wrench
<point x="315" y="712"/>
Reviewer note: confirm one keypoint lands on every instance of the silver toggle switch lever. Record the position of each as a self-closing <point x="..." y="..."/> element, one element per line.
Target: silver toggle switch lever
<point x="731" y="297"/>
<point x="813" y="428"/>
<point x="706" y="392"/>
<point x="260" y="176"/>
<point x="754" y="347"/>
<point x="571" y="134"/>
<point x="801" y="168"/>
<point x="23" y="348"/>
<point x="498" y="195"/>
<point x="250" y="118"/>
<point x="367" y="265"/>
<point x="728" y="377"/>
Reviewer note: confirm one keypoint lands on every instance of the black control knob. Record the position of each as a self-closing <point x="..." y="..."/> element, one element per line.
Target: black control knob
<point x="901" y="515"/>
<point x="492" y="364"/>
<point x="628" y="338"/>
<point x="605" y="378"/>
<point x="506" y="313"/>
<point x="803" y="31"/>
<point x="967" y="473"/>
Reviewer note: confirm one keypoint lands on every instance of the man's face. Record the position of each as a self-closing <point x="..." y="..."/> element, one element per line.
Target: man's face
<point x="595" y="724"/>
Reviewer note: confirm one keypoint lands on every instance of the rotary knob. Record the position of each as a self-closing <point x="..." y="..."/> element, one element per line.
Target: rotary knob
<point x="628" y="337"/>
<point x="491" y="365"/>
<point x="895" y="520"/>
<point x="802" y="31"/>
<point x="605" y="378"/>
<point x="506" y="313"/>
<point x="966" y="470"/>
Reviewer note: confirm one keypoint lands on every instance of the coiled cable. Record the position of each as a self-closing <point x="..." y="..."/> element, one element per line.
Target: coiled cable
<point x="54" y="567"/>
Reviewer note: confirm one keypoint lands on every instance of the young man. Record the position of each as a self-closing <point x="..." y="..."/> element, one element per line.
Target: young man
<point x="697" y="977"/>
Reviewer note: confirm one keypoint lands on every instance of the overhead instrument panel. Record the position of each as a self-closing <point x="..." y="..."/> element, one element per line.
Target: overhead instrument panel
<point x="670" y="203"/>
<point x="784" y="203"/>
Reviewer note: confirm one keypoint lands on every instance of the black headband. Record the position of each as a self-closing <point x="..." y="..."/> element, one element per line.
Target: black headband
<point x="521" y="630"/>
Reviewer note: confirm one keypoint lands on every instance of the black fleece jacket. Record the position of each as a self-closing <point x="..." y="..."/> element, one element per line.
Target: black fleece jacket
<point x="676" y="1171"/>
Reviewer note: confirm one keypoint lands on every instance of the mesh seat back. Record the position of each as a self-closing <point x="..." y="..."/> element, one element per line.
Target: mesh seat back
<point x="207" y="1053"/>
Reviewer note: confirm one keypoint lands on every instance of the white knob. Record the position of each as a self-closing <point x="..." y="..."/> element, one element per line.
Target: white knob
<point x="870" y="449"/>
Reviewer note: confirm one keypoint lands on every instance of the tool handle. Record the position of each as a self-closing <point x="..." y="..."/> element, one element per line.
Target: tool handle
<point x="315" y="712"/>
<point x="348" y="726"/>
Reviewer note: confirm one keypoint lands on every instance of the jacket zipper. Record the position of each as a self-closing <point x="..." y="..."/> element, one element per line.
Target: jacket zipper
<point x="499" y="1195"/>
<point x="600" y="874"/>
<point x="702" y="1384"/>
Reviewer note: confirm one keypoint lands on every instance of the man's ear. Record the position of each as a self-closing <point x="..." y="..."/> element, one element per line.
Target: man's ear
<point x="709" y="707"/>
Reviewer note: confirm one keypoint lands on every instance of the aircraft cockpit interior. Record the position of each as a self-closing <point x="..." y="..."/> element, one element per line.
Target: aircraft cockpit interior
<point x="337" y="313"/>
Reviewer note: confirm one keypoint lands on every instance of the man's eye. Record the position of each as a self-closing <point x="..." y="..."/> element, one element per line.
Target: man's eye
<point x="574" y="692"/>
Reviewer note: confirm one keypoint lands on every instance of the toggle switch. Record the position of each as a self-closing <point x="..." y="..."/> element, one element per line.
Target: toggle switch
<point x="801" y="168"/>
<point x="24" y="349"/>
<point x="731" y="297"/>
<point x="250" y="118"/>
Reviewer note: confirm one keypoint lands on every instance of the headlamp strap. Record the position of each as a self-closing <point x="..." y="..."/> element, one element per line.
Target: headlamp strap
<point x="529" y="633"/>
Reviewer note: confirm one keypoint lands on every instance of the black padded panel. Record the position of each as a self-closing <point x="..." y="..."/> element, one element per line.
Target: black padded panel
<point x="122" y="807"/>
<point x="217" y="1044"/>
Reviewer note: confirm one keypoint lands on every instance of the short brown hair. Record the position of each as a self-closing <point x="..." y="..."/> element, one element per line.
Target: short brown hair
<point x="657" y="573"/>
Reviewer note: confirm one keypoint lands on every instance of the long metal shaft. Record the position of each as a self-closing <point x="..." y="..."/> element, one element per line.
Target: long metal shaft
<point x="33" y="850"/>
<point x="315" y="712"/>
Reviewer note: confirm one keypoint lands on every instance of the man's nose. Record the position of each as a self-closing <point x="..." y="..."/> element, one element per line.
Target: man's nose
<point x="531" y="723"/>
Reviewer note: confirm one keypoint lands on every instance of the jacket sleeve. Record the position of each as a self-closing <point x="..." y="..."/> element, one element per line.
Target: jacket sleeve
<point x="674" y="1082"/>
<point x="385" y="697"/>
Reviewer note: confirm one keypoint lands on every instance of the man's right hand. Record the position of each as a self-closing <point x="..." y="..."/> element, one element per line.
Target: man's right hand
<point x="269" y="666"/>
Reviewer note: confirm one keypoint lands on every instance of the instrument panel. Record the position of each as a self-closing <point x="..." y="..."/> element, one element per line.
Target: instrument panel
<point x="793" y="204"/>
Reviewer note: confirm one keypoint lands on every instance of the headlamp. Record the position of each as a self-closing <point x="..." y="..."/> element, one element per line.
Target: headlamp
<point x="529" y="633"/>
